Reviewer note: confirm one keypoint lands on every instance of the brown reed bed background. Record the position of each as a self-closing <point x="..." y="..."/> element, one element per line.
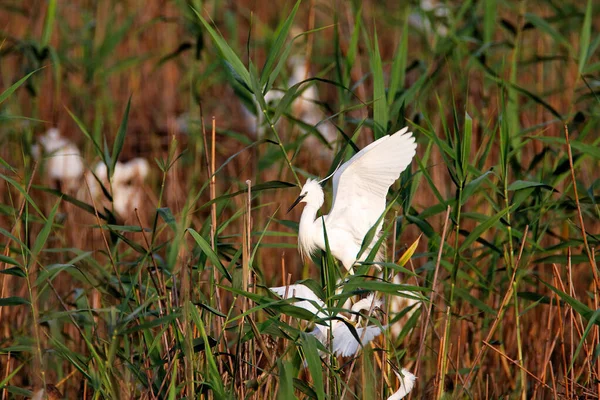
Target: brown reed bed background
<point x="501" y="96"/>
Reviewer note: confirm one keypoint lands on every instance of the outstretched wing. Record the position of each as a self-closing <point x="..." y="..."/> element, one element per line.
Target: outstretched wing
<point x="361" y="184"/>
<point x="309" y="300"/>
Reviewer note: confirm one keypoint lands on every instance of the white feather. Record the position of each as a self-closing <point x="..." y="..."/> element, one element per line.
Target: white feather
<point x="309" y="300"/>
<point x="345" y="344"/>
<point x="407" y="383"/>
<point x="368" y="303"/>
<point x="362" y="183"/>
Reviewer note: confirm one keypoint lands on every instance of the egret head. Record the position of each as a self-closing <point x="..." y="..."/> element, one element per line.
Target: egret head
<point x="311" y="193"/>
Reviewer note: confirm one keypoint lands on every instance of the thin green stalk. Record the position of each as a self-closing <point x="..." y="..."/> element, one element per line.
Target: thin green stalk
<point x="455" y="260"/>
<point x="512" y="267"/>
<point x="35" y="328"/>
<point x="453" y="283"/>
<point x="444" y="357"/>
<point x="513" y="127"/>
<point x="282" y="147"/>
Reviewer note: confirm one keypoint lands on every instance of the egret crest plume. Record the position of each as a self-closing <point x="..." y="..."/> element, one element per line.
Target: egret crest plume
<point x="330" y="175"/>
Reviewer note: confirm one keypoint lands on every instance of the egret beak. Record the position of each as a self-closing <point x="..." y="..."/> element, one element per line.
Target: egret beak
<point x="295" y="203"/>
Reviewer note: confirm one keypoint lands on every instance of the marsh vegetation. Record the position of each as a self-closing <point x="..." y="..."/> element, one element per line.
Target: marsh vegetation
<point x="154" y="284"/>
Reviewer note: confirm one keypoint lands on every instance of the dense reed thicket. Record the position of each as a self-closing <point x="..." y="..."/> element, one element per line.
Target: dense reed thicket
<point x="150" y="280"/>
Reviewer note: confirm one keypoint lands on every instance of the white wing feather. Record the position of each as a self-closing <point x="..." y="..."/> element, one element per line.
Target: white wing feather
<point x="360" y="186"/>
<point x="367" y="303"/>
<point x="407" y="382"/>
<point x="345" y="344"/>
<point x="310" y="301"/>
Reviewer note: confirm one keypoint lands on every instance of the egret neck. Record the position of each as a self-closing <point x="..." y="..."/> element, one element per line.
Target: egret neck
<point x="310" y="232"/>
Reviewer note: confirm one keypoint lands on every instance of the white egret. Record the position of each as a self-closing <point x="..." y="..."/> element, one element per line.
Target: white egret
<point x="63" y="163"/>
<point x="407" y="382"/>
<point x="127" y="184"/>
<point x="431" y="18"/>
<point x="343" y="342"/>
<point x="360" y="187"/>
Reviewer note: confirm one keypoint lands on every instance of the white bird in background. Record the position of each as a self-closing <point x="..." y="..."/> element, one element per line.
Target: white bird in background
<point x="407" y="382"/>
<point x="62" y="158"/>
<point x="343" y="342"/>
<point x="127" y="184"/>
<point x="431" y="17"/>
<point x="304" y="107"/>
<point x="360" y="187"/>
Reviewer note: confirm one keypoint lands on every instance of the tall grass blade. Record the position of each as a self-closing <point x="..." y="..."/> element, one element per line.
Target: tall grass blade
<point x="119" y="139"/>
<point x="592" y="321"/>
<point x="313" y="361"/>
<point x="214" y="378"/>
<point x="226" y="52"/>
<point x="398" y="73"/>
<point x="482" y="227"/>
<point x="282" y="35"/>
<point x="42" y="237"/>
<point x="212" y="256"/>
<point x="6" y="94"/>
<point x="48" y="23"/>
<point x="584" y="37"/>
<point x="489" y="20"/>
<point x="286" y="381"/>
<point x="577" y="305"/>
<point x="81" y="126"/>
<point x="353" y="46"/>
<point x="544" y="26"/>
<point x="406" y="256"/>
<point x="466" y="146"/>
<point x="13" y="301"/>
<point x="380" y="108"/>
